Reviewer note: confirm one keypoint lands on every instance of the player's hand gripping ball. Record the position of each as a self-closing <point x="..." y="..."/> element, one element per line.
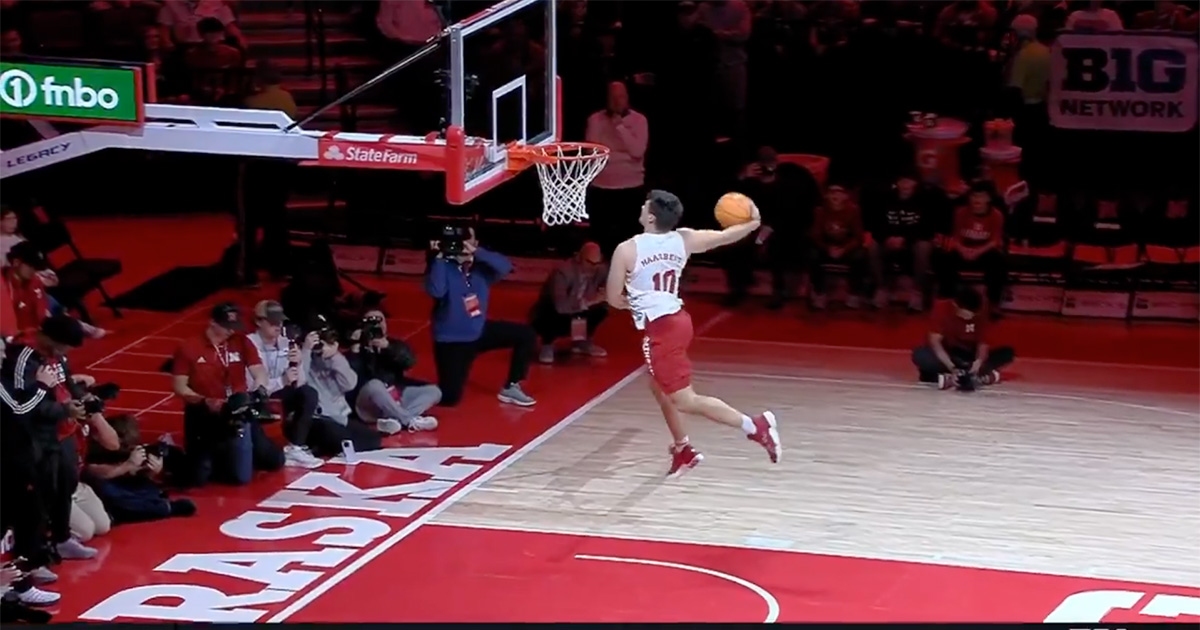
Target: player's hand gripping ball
<point x="734" y="209"/>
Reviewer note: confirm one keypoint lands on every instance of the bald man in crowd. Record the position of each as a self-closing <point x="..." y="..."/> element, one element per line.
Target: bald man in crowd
<point x="572" y="304"/>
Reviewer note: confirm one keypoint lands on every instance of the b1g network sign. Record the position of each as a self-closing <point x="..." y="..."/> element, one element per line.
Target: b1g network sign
<point x="1124" y="82"/>
<point x="73" y="93"/>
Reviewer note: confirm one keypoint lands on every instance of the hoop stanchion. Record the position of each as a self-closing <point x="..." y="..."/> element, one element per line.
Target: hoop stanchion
<point x="564" y="170"/>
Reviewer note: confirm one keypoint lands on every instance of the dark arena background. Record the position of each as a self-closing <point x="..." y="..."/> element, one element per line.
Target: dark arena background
<point x="1030" y="166"/>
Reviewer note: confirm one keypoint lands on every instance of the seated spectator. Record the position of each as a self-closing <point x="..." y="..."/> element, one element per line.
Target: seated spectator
<point x="330" y="374"/>
<point x="11" y="44"/>
<point x="976" y="243"/>
<point x="460" y="285"/>
<point x="786" y="195"/>
<point x="1165" y="16"/>
<point x="386" y="397"/>
<point x="129" y="479"/>
<point x="269" y="92"/>
<point x="27" y="277"/>
<point x="958" y="342"/>
<point x="285" y="362"/>
<point x="572" y="303"/>
<point x="212" y="53"/>
<point x="88" y="516"/>
<point x="1094" y="18"/>
<point x="837" y="234"/>
<point x="903" y="233"/>
<point x="10" y="232"/>
<point x="209" y="368"/>
<point x="178" y="21"/>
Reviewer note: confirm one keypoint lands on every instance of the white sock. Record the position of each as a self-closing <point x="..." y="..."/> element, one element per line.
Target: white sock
<point x="676" y="447"/>
<point x="748" y="425"/>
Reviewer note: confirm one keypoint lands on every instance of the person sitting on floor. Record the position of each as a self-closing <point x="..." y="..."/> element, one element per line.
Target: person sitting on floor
<point x="387" y="397"/>
<point x="958" y="345"/>
<point x="128" y="479"/>
<point x="572" y="302"/>
<point x="330" y="374"/>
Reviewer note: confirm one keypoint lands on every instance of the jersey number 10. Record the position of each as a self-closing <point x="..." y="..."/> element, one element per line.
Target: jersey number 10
<point x="667" y="281"/>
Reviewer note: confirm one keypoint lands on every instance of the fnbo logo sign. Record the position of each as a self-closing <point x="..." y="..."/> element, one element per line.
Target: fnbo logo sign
<point x="79" y="93"/>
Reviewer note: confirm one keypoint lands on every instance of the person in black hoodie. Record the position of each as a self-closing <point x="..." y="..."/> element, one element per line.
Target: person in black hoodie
<point x="902" y="226"/>
<point x="385" y="396"/>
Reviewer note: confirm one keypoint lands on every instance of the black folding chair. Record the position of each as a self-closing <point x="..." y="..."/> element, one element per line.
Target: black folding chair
<point x="79" y="277"/>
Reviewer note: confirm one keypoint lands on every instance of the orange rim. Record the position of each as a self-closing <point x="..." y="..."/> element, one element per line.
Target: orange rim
<point x="555" y="152"/>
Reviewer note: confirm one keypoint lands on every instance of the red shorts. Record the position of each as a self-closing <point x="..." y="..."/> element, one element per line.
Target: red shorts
<point x="665" y="347"/>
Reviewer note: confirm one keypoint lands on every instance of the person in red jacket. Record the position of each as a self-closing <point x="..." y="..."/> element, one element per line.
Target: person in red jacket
<point x="958" y="344"/>
<point x="837" y="235"/>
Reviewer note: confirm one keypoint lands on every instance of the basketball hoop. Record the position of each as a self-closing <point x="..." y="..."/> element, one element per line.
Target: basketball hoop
<point x="564" y="169"/>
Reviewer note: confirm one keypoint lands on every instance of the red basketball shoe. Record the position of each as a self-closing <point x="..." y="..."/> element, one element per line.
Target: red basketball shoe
<point x="766" y="433"/>
<point x="683" y="459"/>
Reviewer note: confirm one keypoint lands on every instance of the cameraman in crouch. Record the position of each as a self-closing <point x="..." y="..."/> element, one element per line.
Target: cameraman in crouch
<point x="385" y="396"/>
<point x="222" y="440"/>
<point x="957" y="354"/>
<point x="459" y="279"/>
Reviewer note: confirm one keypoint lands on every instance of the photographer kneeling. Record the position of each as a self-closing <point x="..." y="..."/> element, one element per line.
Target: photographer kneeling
<point x="330" y="374"/>
<point x="284" y="360"/>
<point x="459" y="278"/>
<point x="958" y="355"/>
<point x="223" y="436"/>
<point x="128" y="479"/>
<point x="386" y="397"/>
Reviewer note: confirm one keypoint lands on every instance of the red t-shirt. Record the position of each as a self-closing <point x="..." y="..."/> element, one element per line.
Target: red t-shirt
<point x="957" y="332"/>
<point x="215" y="371"/>
<point x="30" y="303"/>
<point x="974" y="230"/>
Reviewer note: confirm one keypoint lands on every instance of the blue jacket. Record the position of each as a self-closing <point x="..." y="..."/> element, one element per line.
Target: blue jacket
<point x="449" y="286"/>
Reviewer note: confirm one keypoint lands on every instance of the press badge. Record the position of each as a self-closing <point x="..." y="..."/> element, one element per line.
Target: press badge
<point x="578" y="329"/>
<point x="471" y="304"/>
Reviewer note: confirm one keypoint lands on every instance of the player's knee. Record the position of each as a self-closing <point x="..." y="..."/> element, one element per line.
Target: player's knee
<point x="685" y="400"/>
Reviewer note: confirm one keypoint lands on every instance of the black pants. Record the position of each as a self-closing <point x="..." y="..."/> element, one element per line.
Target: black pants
<point x="855" y="259"/>
<point x="786" y="254"/>
<point x="59" y="477"/>
<point x="326" y="437"/>
<point x="132" y="498"/>
<point x="266" y="190"/>
<point x="218" y="452"/>
<point x="929" y="366"/>
<point x="454" y="360"/>
<point x="991" y="263"/>
<point x="299" y="407"/>
<point x="22" y="505"/>
<point x="613" y="215"/>
<point x="550" y="324"/>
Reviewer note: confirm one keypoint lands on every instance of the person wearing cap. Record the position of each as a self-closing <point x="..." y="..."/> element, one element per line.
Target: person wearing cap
<point x="572" y="303"/>
<point x="385" y="396"/>
<point x="786" y="195"/>
<point x="837" y="234"/>
<point x="27" y="278"/>
<point x="285" y="361"/>
<point x="209" y="368"/>
<point x="902" y="226"/>
<point x="35" y="374"/>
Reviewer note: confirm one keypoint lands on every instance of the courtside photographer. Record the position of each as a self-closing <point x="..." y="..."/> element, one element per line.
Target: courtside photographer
<point x="223" y="412"/>
<point x="129" y="479"/>
<point x="385" y="396"/>
<point x="330" y="374"/>
<point x="285" y="351"/>
<point x="459" y="278"/>
<point x="957" y="355"/>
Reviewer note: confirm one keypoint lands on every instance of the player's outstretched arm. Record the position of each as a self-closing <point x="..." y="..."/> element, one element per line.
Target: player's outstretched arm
<point x="700" y="241"/>
<point x="618" y="270"/>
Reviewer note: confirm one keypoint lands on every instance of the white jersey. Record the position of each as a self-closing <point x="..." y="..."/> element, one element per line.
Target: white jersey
<point x="653" y="283"/>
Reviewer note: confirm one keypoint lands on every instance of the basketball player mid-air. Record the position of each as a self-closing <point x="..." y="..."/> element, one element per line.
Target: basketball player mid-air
<point x="644" y="278"/>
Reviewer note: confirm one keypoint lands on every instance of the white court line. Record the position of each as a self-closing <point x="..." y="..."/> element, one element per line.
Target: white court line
<point x="146" y="354"/>
<point x="462" y="492"/>
<point x="153" y="335"/>
<point x="146" y="391"/>
<point x="767" y="597"/>
<point x="138" y="412"/>
<point x="900" y="385"/>
<point x="121" y="371"/>
<point x="901" y="351"/>
<point x="165" y="399"/>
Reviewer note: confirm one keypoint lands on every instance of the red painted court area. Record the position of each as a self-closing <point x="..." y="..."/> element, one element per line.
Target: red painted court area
<point x="356" y="543"/>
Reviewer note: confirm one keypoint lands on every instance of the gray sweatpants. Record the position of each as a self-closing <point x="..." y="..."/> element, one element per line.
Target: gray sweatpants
<point x="374" y="402"/>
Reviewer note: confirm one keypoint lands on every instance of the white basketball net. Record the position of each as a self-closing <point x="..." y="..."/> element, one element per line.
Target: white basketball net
<point x="565" y="174"/>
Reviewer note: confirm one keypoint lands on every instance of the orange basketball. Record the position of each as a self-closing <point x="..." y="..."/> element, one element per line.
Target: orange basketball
<point x="732" y="209"/>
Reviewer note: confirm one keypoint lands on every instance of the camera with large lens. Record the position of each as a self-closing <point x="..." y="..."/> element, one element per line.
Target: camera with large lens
<point x="451" y="240"/>
<point x="372" y="329"/>
<point x="242" y="408"/>
<point x="93" y="398"/>
<point x="965" y="381"/>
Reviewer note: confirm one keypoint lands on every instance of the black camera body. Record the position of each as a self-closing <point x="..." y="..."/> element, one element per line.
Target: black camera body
<point x="243" y="408"/>
<point x="93" y="398"/>
<point x="451" y="240"/>
<point x="372" y="329"/>
<point x="964" y="381"/>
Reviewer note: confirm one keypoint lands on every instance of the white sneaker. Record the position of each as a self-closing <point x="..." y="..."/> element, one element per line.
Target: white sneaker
<point x="546" y="354"/>
<point x="300" y="456"/>
<point x="388" y="426"/>
<point x="72" y="549"/>
<point x="42" y="575"/>
<point x="423" y="423"/>
<point x="37" y="597"/>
